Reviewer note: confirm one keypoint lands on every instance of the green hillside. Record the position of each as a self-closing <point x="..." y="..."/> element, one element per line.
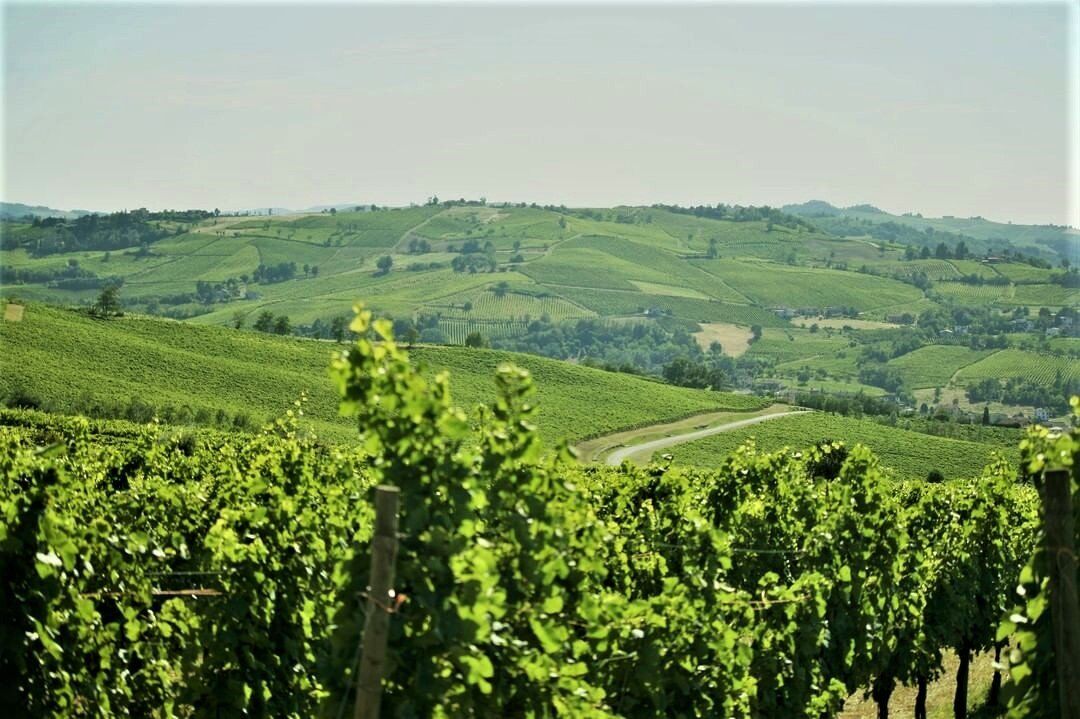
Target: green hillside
<point x="584" y="284"/>
<point x="1048" y="240"/>
<point x="908" y="454"/>
<point x="68" y="361"/>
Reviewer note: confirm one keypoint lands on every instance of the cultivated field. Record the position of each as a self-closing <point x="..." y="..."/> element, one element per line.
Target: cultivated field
<point x="908" y="454"/>
<point x="64" y="358"/>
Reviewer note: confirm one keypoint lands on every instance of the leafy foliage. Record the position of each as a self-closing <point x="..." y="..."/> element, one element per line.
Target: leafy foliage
<point x="1033" y="691"/>
<point x="527" y="584"/>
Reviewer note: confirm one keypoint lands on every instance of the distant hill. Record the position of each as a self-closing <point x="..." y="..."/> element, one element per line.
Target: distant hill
<point x="1050" y="242"/>
<point x="283" y="211"/>
<point x="830" y="299"/>
<point x="17" y="210"/>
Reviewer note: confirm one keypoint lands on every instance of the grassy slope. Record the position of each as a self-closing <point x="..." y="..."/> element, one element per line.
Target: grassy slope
<point x="909" y="454"/>
<point x="647" y="263"/>
<point x="59" y="355"/>
<point x="934" y="365"/>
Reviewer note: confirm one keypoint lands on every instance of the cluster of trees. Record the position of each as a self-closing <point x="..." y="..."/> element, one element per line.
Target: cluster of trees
<point x="280" y="272"/>
<point x="418" y="246"/>
<point x="891" y="231"/>
<point x="959" y="250"/>
<point x="267" y="322"/>
<point x="646" y="346"/>
<point x="335" y="328"/>
<point x="857" y="405"/>
<point x="30" y="275"/>
<point x="474" y="262"/>
<point x="211" y="292"/>
<point x="118" y="230"/>
<point x="1025" y="391"/>
<point x="699" y="375"/>
<point x="738" y="213"/>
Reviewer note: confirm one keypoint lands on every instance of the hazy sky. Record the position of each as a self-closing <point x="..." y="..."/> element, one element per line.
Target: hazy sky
<point x="960" y="109"/>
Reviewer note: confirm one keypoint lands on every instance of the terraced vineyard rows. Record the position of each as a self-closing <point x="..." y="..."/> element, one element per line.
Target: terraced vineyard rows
<point x="513" y="306"/>
<point x="974" y="294"/>
<point x="1044" y="369"/>
<point x="909" y="454"/>
<point x="204" y="368"/>
<point x="934" y="366"/>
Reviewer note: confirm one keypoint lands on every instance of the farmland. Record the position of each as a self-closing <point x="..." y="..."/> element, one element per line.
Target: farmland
<point x="512" y="272"/>
<point x="773" y="285"/>
<point x="1018" y="363"/>
<point x="934" y="365"/>
<point x="908" y="454"/>
<point x="66" y="359"/>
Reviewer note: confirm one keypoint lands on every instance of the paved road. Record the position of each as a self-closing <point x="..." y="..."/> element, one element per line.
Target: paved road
<point x="616" y="458"/>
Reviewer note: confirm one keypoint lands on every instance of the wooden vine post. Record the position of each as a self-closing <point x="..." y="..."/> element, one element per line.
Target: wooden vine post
<point x="379" y="607"/>
<point x="1064" y="603"/>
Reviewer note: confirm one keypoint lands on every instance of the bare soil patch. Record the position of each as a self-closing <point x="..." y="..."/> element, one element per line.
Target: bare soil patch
<point x="735" y="339"/>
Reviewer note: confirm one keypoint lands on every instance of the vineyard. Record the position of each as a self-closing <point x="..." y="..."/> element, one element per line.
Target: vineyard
<point x="517" y="306"/>
<point x="964" y="293"/>
<point x="68" y="362"/>
<point x="773" y="285"/>
<point x="906" y="454"/>
<point x="223" y="575"/>
<point x="1044" y="369"/>
<point x="456" y="330"/>
<point x="934" y="365"/>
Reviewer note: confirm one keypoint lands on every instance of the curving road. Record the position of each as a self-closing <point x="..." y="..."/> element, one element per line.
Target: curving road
<point x="616" y="458"/>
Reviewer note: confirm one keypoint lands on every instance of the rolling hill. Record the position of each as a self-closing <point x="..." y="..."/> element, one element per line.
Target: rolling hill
<point x="461" y="268"/>
<point x="1052" y="242"/>
<point x="69" y="361"/>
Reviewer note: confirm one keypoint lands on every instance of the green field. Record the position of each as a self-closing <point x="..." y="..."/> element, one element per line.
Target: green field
<point x="934" y="365"/>
<point x="789" y="344"/>
<point x="60" y="356"/>
<point x="775" y="285"/>
<point x="644" y="264"/>
<point x="561" y="264"/>
<point x="1044" y="369"/>
<point x="908" y="454"/>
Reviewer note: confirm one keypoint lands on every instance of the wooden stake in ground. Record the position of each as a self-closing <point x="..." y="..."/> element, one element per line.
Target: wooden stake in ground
<point x="379" y="604"/>
<point x="1064" y="602"/>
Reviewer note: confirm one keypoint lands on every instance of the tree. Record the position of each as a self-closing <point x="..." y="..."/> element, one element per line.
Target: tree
<point x="474" y="339"/>
<point x="108" y="302"/>
<point x="714" y="248"/>
<point x="755" y="333"/>
<point x="337" y="327"/>
<point x="282" y="326"/>
<point x="501" y="289"/>
<point x="238" y="319"/>
<point x="467" y="307"/>
<point x="986" y="415"/>
<point x="384" y="264"/>
<point x="264" y="322"/>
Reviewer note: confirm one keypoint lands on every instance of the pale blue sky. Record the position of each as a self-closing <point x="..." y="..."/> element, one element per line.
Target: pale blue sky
<point x="959" y="109"/>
